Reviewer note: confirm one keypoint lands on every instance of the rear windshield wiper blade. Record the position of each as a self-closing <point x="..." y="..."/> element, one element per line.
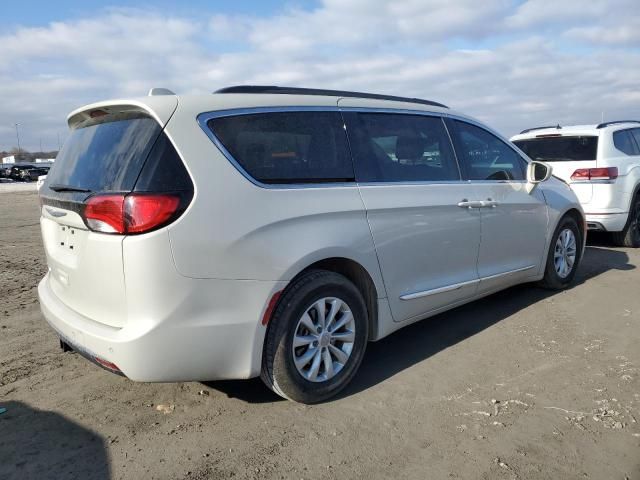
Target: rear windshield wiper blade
<point x="57" y="187"/>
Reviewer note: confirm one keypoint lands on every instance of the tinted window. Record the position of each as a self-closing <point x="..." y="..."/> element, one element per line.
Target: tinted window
<point x="624" y="141"/>
<point x="560" y="149"/>
<point x="287" y="147"/>
<point x="484" y="156"/>
<point x="636" y="135"/>
<point x="105" y="156"/>
<point x="163" y="171"/>
<point x="399" y="147"/>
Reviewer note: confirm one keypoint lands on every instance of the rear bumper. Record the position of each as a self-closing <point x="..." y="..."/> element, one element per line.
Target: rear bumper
<point x="213" y="333"/>
<point x="612" y="222"/>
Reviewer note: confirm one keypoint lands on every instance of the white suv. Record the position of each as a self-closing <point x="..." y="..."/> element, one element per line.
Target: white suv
<point x="601" y="163"/>
<point x="275" y="231"/>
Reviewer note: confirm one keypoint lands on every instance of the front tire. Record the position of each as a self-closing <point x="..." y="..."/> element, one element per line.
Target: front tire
<point x="630" y="236"/>
<point x="316" y="338"/>
<point x="563" y="256"/>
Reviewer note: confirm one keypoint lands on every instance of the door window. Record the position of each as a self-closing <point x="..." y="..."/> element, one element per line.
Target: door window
<point x="484" y="156"/>
<point x="400" y="148"/>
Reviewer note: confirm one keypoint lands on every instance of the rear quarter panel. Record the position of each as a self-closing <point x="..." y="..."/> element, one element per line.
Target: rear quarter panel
<point x="234" y="229"/>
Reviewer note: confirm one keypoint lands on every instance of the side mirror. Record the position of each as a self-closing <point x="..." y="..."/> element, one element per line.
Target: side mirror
<point x="537" y="172"/>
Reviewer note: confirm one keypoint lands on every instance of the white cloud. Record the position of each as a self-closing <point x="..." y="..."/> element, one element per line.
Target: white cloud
<point x="628" y="34"/>
<point x="507" y="68"/>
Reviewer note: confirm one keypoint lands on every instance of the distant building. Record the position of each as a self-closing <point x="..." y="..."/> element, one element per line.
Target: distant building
<point x="9" y="159"/>
<point x="45" y="160"/>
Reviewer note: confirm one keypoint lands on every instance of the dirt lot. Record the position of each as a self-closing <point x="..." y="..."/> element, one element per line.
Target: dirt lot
<point x="524" y="384"/>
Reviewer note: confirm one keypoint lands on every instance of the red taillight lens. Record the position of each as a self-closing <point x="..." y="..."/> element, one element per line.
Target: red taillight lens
<point x="607" y="173"/>
<point x="144" y="212"/>
<point x="105" y="213"/>
<point x="126" y="214"/>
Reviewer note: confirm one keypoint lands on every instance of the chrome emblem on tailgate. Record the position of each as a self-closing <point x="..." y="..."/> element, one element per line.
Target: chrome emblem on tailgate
<point x="56" y="213"/>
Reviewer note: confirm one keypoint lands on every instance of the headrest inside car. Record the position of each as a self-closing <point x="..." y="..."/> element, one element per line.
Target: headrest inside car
<point x="409" y="148"/>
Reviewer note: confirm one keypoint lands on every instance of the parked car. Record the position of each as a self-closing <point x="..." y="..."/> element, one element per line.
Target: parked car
<point x="601" y="163"/>
<point x="274" y="232"/>
<point x="31" y="174"/>
<point x="15" y="171"/>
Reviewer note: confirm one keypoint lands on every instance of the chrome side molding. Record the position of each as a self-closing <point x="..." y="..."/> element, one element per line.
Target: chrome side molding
<point x="435" y="291"/>
<point x="456" y="286"/>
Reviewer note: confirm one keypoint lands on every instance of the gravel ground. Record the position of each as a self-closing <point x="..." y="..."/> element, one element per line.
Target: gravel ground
<point x="523" y="384"/>
<point x="13" y="187"/>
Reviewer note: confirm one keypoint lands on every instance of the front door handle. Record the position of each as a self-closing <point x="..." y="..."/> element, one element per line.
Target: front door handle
<point x="478" y="203"/>
<point x="471" y="204"/>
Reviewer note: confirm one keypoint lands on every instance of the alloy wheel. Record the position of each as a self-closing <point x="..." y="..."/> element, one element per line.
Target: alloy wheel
<point x="323" y="339"/>
<point x="565" y="251"/>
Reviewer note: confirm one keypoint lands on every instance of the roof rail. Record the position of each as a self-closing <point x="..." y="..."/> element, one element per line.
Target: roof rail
<point x="606" y="124"/>
<point x="323" y="92"/>
<point x="557" y="127"/>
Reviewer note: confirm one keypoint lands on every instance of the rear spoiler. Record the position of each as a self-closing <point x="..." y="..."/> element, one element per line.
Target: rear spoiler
<point x="159" y="107"/>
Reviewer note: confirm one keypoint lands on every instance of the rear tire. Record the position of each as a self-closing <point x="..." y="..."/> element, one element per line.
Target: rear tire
<point x="630" y="236"/>
<point x="328" y="347"/>
<point x="564" y="255"/>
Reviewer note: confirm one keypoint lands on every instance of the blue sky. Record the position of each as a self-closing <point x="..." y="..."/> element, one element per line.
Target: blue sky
<point x="513" y="64"/>
<point x="39" y="13"/>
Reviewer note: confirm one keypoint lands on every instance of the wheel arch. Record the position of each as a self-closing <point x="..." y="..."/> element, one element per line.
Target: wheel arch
<point x="357" y="274"/>
<point x="579" y="217"/>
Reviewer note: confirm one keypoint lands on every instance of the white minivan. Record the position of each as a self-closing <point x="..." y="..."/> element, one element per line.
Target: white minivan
<point x="273" y="232"/>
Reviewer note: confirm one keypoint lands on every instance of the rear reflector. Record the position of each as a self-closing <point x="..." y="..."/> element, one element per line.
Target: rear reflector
<point x="271" y="307"/>
<point x="127" y="214"/>
<point x="106" y="364"/>
<point x="586" y="174"/>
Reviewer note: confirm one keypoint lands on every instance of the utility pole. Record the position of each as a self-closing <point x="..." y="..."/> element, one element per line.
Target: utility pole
<point x="41" y="144"/>
<point x="18" y="136"/>
<point x="58" y="142"/>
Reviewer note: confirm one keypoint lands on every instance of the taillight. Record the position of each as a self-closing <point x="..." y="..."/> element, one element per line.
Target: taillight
<point x="145" y="212"/>
<point x="132" y="213"/>
<point x="585" y="174"/>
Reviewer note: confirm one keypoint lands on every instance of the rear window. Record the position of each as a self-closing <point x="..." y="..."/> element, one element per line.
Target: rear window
<point x="287" y="147"/>
<point x="560" y="149"/>
<point x="105" y="156"/>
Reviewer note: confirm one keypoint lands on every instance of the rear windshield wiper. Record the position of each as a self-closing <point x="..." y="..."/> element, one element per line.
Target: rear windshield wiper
<point x="57" y="187"/>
